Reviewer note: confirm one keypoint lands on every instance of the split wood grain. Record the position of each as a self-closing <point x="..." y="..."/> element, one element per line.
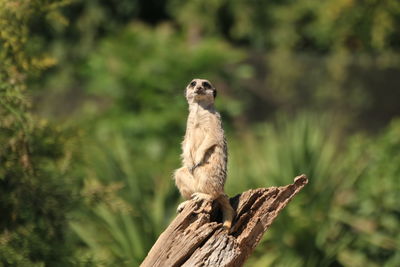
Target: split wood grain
<point x="196" y="238"/>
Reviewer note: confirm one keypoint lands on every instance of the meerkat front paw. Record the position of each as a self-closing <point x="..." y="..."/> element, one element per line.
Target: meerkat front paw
<point x="199" y="160"/>
<point x="194" y="167"/>
<point x="200" y="196"/>
<point x="181" y="206"/>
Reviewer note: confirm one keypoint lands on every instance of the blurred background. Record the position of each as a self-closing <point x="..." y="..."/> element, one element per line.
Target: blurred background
<point x="92" y="114"/>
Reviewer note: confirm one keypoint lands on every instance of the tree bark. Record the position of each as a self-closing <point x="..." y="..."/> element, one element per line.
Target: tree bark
<point x="196" y="237"/>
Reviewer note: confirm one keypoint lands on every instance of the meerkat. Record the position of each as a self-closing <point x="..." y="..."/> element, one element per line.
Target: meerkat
<point x="204" y="151"/>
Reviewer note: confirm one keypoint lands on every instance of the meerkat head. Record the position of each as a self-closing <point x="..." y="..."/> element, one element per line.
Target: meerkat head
<point x="200" y="90"/>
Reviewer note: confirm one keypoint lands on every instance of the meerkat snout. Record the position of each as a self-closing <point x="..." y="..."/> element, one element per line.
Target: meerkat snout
<point x="199" y="90"/>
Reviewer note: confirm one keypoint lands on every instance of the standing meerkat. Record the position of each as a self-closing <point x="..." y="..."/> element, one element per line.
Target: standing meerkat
<point x="204" y="151"/>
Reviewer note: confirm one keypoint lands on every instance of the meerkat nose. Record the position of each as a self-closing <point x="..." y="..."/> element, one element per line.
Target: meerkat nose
<point x="198" y="89"/>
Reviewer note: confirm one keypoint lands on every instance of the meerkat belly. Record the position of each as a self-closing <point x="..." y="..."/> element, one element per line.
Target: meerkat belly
<point x="195" y="137"/>
<point x="211" y="176"/>
<point x="198" y="137"/>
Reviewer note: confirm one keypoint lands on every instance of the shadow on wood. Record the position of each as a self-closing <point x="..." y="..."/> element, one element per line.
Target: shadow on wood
<point x="196" y="238"/>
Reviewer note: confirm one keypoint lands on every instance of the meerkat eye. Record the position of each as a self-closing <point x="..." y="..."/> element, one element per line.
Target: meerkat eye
<point x="207" y="85"/>
<point x="192" y="84"/>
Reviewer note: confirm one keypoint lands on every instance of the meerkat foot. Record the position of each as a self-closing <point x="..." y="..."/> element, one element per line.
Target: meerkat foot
<point x="228" y="213"/>
<point x="181" y="206"/>
<point x="201" y="196"/>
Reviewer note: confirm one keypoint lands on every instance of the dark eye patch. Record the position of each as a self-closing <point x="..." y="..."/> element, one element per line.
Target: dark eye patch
<point x="192" y="84"/>
<point x="207" y="85"/>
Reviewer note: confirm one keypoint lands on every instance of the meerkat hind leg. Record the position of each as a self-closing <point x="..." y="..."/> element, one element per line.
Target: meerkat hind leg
<point x="185" y="182"/>
<point x="228" y="213"/>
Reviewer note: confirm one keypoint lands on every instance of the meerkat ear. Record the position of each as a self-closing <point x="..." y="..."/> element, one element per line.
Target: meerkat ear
<point x="215" y="93"/>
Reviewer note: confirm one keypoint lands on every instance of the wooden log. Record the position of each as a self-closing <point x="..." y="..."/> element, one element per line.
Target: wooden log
<point x="196" y="237"/>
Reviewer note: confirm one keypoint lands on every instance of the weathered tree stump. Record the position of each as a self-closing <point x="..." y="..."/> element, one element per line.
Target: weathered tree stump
<point x="196" y="238"/>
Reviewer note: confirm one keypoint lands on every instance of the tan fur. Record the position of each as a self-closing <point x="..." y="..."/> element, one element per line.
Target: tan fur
<point x="204" y="151"/>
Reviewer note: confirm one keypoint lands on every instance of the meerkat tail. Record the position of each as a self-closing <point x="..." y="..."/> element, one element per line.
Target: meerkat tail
<point x="228" y="213"/>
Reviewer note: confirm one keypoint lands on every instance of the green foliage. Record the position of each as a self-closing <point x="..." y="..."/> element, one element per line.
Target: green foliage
<point x="35" y="198"/>
<point x="135" y="206"/>
<point x="370" y="212"/>
<point x="146" y="69"/>
<point x="128" y="201"/>
<point x="120" y="68"/>
<point x="329" y="56"/>
<point x="348" y="214"/>
<point x="274" y="155"/>
<point x="36" y="189"/>
<point x="311" y="25"/>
